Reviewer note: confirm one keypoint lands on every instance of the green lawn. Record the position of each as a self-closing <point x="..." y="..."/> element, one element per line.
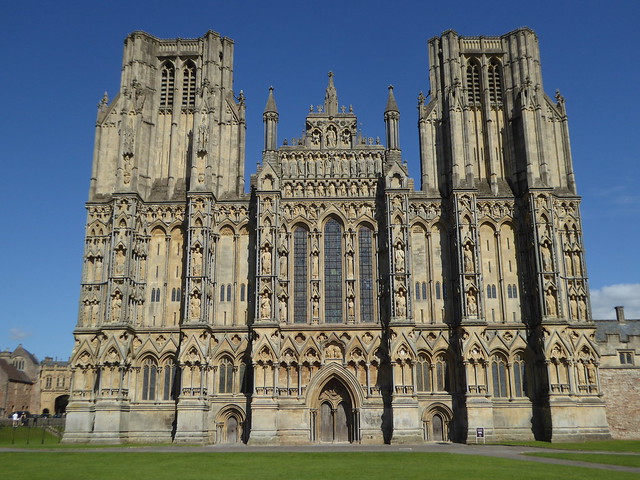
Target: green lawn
<point x="606" y="458"/>
<point x="600" y="446"/>
<point x="18" y="437"/>
<point x="283" y="466"/>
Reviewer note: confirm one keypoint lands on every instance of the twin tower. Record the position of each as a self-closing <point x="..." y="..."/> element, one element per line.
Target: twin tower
<point x="334" y="302"/>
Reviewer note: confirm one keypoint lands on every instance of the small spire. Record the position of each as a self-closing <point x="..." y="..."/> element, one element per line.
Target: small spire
<point x="331" y="98"/>
<point x="392" y="106"/>
<point x="271" y="103"/>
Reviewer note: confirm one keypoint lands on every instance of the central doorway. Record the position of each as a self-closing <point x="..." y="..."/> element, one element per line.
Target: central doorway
<point x="336" y="413"/>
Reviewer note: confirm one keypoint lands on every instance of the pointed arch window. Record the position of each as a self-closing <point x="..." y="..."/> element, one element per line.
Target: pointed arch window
<point x="300" y="275"/>
<point x="225" y="383"/>
<point x="167" y="85"/>
<point x="423" y="374"/>
<point x="333" y="272"/>
<point x="189" y="85"/>
<point x="495" y="81"/>
<point x="519" y="376"/>
<point x="499" y="376"/>
<point x="229" y="292"/>
<point x="417" y="290"/>
<point x="169" y="392"/>
<point x="149" y="373"/>
<point x="438" y="294"/>
<point x="365" y="250"/>
<point x="473" y="83"/>
<point x="442" y="374"/>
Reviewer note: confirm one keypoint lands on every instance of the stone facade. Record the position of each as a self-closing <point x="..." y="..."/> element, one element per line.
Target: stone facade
<point x="619" y="342"/>
<point x="19" y="389"/>
<point x="334" y="302"/>
<point x="55" y="383"/>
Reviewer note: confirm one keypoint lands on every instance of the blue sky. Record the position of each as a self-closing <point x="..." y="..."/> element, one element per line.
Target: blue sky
<point x="60" y="57"/>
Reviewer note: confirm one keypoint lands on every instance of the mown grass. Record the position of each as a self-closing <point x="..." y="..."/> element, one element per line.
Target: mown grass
<point x="606" y="458"/>
<point x="596" y="446"/>
<point x="282" y="466"/>
<point x="27" y="437"/>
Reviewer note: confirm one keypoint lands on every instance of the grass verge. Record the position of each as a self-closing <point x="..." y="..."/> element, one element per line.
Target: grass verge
<point x="632" y="446"/>
<point x="606" y="458"/>
<point x="282" y="466"/>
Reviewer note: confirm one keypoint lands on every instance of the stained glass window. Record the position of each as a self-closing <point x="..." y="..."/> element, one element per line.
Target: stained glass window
<point x="333" y="272"/>
<point x="300" y="255"/>
<point x="365" y="249"/>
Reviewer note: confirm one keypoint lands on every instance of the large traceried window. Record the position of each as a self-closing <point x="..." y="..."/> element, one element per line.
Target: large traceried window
<point x="167" y="85"/>
<point x="189" y="85"/>
<point x="495" y="81"/>
<point x="499" y="376"/>
<point x="225" y="383"/>
<point x="300" y="272"/>
<point x="149" y="373"/>
<point x="333" y="272"/>
<point x="473" y="83"/>
<point x="365" y="250"/>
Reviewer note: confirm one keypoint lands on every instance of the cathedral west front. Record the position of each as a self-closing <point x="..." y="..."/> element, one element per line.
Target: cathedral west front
<point x="338" y="300"/>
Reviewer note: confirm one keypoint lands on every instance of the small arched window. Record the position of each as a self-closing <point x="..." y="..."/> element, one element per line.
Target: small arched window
<point x="168" y="76"/>
<point x="222" y="293"/>
<point x="225" y="384"/>
<point x="149" y="372"/>
<point x="493" y="291"/>
<point x="438" y="294"/>
<point x="189" y="85"/>
<point x="424" y="290"/>
<point x="514" y="290"/>
<point x="242" y="292"/>
<point x="228" y="292"/>
<point x="509" y="293"/>
<point x="417" y="290"/>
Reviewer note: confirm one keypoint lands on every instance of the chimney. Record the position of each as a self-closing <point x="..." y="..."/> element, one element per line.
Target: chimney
<point x="620" y="314"/>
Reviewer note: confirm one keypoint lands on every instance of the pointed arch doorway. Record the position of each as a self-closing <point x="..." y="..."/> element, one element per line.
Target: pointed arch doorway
<point x="336" y="417"/>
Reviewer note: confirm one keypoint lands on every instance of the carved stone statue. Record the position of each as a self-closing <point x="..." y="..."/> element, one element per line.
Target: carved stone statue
<point x="265" y="306"/>
<point x="550" y="301"/>
<point x="116" y="307"/>
<point x="197" y="261"/>
<point x="546" y="258"/>
<point x="194" y="305"/>
<point x="472" y="304"/>
<point x="468" y="259"/>
<point x="401" y="304"/>
<point x="283" y="309"/>
<point x="399" y="258"/>
<point x="265" y="261"/>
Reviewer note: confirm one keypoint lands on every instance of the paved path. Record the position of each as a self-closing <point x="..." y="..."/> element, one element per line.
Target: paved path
<point x="501" y="451"/>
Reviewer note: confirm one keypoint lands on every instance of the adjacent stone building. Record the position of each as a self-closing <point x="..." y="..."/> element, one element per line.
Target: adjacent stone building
<point x="19" y="389"/>
<point x="619" y="342"/>
<point x="334" y="302"/>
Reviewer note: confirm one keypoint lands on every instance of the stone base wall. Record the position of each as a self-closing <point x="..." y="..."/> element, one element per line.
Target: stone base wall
<point x="621" y="387"/>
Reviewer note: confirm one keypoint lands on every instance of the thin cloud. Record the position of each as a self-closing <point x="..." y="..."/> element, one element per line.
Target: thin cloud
<point x="18" y="334"/>
<point x="605" y="299"/>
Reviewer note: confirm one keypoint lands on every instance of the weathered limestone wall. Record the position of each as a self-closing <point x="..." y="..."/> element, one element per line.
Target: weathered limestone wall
<point x="621" y="387"/>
